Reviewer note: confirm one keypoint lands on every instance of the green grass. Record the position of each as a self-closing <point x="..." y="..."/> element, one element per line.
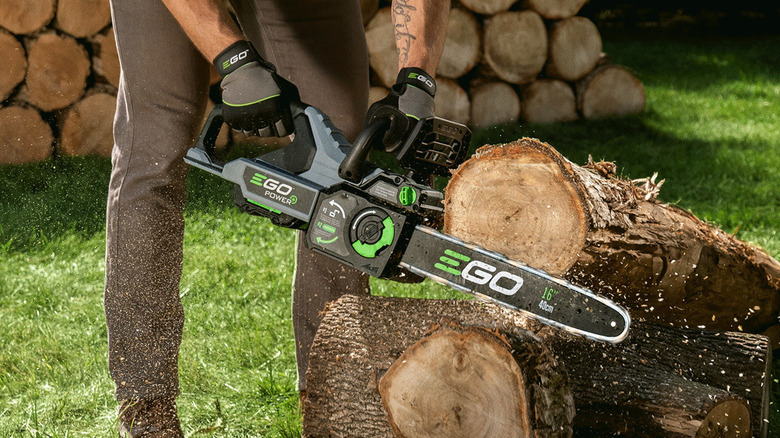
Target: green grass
<point x="712" y="129"/>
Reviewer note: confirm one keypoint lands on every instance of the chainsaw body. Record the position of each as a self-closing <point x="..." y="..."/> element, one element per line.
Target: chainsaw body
<point x="383" y="223"/>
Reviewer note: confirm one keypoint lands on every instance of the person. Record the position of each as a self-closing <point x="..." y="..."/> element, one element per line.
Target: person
<point x="280" y="51"/>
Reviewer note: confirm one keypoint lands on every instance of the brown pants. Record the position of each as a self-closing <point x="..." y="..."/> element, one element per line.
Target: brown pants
<point x="320" y="46"/>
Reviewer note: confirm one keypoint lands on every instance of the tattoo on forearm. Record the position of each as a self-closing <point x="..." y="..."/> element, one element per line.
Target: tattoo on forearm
<point x="401" y="18"/>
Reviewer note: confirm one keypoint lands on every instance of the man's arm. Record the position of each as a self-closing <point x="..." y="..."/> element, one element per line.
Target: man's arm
<point x="207" y="23"/>
<point x="420" y="29"/>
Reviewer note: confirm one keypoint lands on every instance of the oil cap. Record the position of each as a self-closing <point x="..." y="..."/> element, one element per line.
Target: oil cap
<point x="371" y="231"/>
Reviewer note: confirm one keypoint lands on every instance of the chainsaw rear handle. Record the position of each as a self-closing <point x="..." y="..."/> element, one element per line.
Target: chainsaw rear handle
<point x="207" y="139"/>
<point x="352" y="167"/>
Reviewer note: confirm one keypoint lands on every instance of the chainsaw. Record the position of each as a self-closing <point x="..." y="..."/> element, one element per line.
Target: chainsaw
<point x="383" y="223"/>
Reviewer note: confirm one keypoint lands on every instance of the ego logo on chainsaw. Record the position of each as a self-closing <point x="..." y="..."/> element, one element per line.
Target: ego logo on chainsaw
<point x="275" y="190"/>
<point x="479" y="272"/>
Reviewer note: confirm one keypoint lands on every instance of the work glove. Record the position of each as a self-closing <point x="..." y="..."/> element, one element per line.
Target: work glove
<point x="409" y="101"/>
<point x="255" y="99"/>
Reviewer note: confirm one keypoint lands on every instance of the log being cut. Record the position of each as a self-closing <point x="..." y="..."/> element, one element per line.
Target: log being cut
<point x="612" y="236"/>
<point x="385" y="367"/>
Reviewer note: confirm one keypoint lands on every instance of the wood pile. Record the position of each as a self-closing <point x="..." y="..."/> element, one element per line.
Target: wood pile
<point x="504" y="60"/>
<point x="59" y="72"/>
<point x="534" y="61"/>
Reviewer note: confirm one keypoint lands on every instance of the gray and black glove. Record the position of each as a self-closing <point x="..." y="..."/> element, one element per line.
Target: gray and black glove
<point x="255" y="99"/>
<point x="409" y="101"/>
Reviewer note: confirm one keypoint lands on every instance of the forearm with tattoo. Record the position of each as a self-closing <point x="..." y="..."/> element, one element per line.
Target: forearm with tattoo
<point x="420" y="27"/>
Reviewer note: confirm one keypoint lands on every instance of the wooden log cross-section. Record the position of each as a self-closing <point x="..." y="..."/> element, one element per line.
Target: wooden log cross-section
<point x="612" y="236"/>
<point x="385" y="367"/>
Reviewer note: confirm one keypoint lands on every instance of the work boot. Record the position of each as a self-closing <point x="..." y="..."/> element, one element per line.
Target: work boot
<point x="153" y="418"/>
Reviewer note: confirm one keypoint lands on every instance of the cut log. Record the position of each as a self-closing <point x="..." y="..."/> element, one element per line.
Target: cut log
<point x="82" y="18"/>
<point x="548" y="101"/>
<point x="555" y="9"/>
<point x="376" y="363"/>
<point x="382" y="51"/>
<point x="452" y="101"/>
<point x="363" y="377"/>
<point x="13" y="64"/>
<point x="493" y="103"/>
<point x="87" y="126"/>
<point x="105" y="59"/>
<point x="24" y="136"/>
<point x="612" y="236"/>
<point x="516" y="45"/>
<point x="488" y="7"/>
<point x="610" y="91"/>
<point x="57" y="74"/>
<point x="575" y="48"/>
<point x="26" y="16"/>
<point x="462" y="47"/>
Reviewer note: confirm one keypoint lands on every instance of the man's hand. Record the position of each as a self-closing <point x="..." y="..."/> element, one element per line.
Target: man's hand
<point x="255" y="99"/>
<point x="409" y="101"/>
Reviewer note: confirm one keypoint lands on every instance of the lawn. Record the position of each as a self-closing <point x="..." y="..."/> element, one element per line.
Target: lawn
<point x="711" y="129"/>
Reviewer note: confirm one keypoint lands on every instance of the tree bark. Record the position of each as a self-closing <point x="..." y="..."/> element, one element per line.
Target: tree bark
<point x="575" y="48"/>
<point x="24" y="136"/>
<point x="82" y="18"/>
<point x="493" y="103"/>
<point x="612" y="236"/>
<point x="610" y="91"/>
<point x="452" y="101"/>
<point x="26" y="16"/>
<point x="488" y="7"/>
<point x="13" y="64"/>
<point x="57" y="73"/>
<point x="370" y="353"/>
<point x="548" y="101"/>
<point x="87" y="126"/>
<point x="462" y="47"/>
<point x="555" y="9"/>
<point x="516" y="45"/>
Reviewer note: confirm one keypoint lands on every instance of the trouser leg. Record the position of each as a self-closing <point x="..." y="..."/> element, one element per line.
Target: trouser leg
<point x="162" y="95"/>
<point x="320" y="46"/>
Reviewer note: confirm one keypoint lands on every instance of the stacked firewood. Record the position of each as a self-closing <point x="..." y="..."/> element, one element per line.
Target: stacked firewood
<point x="503" y="60"/>
<point x="58" y="77"/>
<point x="508" y="60"/>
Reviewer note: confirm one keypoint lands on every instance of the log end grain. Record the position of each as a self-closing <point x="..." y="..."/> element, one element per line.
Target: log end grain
<point x="57" y="73"/>
<point x="493" y="103"/>
<point x="13" y="64"/>
<point x="555" y="9"/>
<point x="519" y="199"/>
<point x="87" y="128"/>
<point x="575" y="49"/>
<point x="472" y="386"/>
<point x="549" y="101"/>
<point x="24" y="136"/>
<point x="516" y="45"/>
<point x="488" y="7"/>
<point x="26" y="16"/>
<point x="610" y="91"/>
<point x="462" y="46"/>
<point x="452" y="102"/>
<point x="82" y="18"/>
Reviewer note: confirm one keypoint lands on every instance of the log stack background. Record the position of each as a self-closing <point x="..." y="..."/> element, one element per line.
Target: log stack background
<point x="504" y="60"/>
